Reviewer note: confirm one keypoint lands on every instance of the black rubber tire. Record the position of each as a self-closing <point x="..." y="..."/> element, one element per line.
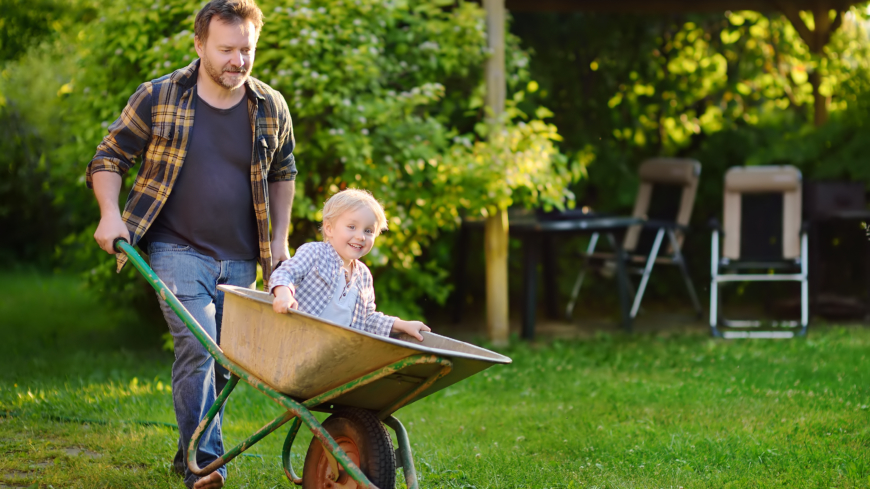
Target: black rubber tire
<point x="377" y="457"/>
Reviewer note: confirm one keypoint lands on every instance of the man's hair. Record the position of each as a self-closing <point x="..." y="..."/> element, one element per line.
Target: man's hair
<point x="352" y="199"/>
<point x="229" y="11"/>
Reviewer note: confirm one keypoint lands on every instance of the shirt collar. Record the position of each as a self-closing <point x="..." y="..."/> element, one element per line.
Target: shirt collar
<point x="186" y="77"/>
<point x="336" y="259"/>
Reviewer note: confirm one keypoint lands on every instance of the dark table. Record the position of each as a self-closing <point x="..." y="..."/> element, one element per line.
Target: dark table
<point x="533" y="231"/>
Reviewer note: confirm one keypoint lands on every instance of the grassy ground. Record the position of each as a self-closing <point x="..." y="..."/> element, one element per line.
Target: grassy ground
<point x="610" y="411"/>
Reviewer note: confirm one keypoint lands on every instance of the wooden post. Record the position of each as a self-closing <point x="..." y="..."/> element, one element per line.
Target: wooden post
<point x="496" y="230"/>
<point x="496" y="238"/>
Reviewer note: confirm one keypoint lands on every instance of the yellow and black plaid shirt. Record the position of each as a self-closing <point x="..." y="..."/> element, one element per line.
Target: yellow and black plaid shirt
<point x="156" y="124"/>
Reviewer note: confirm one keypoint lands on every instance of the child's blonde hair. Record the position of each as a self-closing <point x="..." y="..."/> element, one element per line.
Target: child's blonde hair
<point x="351" y="199"/>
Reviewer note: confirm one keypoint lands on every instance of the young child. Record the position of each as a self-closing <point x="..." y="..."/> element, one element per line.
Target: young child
<point x="327" y="279"/>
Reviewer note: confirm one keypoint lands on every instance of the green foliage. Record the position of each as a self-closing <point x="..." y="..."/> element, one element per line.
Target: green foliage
<point x="385" y="96"/>
<point x="640" y="86"/>
<point x="836" y="151"/>
<point x="389" y="96"/>
<point x="33" y="213"/>
<point x="26" y="23"/>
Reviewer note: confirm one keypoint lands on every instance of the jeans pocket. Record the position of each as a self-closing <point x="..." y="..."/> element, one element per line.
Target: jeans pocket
<point x="167" y="248"/>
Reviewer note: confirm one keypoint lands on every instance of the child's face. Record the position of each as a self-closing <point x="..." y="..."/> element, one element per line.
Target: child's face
<point x="352" y="234"/>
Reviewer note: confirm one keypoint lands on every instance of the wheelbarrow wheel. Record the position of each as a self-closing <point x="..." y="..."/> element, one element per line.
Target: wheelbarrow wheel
<point x="364" y="439"/>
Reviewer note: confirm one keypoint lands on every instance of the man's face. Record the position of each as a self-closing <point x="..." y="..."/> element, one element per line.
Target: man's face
<point x="228" y="53"/>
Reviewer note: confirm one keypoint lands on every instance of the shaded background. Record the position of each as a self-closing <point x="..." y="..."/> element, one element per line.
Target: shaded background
<point x="728" y="88"/>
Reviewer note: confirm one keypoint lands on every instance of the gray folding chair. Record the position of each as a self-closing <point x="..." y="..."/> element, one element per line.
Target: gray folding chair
<point x="763" y="241"/>
<point x="664" y="199"/>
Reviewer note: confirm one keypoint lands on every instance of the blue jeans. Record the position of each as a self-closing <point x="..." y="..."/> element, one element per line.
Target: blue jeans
<point x="196" y="378"/>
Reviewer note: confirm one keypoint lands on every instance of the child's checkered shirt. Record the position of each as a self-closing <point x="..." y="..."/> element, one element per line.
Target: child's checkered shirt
<point x="311" y="276"/>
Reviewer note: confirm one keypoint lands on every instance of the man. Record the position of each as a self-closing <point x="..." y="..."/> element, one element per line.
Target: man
<point x="217" y="164"/>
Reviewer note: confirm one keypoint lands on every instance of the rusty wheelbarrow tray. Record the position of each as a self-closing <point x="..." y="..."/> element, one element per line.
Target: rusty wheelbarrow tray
<point x="306" y="364"/>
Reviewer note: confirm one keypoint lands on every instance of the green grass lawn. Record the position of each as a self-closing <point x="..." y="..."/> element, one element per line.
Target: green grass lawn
<point x="613" y="411"/>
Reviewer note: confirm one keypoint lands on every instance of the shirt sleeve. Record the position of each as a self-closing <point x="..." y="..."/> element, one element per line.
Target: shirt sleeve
<point x="375" y="322"/>
<point x="283" y="166"/>
<point x="291" y="273"/>
<point x="128" y="136"/>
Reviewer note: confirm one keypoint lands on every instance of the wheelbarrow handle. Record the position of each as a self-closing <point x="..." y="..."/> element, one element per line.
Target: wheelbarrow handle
<point x="116" y="243"/>
<point x="124" y="246"/>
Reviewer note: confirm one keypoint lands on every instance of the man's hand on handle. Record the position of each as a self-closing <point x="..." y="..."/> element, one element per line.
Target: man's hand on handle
<point x="108" y="231"/>
<point x="280" y="251"/>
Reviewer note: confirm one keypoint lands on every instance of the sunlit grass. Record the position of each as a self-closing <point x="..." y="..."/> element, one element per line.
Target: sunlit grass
<point x="637" y="411"/>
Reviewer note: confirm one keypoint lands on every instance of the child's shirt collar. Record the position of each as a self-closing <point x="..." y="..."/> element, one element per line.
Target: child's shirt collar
<point x="338" y="263"/>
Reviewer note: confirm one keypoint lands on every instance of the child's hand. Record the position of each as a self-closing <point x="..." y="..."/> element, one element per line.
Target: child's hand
<point x="284" y="300"/>
<point x="412" y="328"/>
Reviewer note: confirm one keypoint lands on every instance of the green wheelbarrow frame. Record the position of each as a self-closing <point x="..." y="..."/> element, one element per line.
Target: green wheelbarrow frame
<point x="298" y="412"/>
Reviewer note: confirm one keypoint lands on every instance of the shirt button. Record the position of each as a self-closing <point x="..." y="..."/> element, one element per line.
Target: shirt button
<point x="329" y="298"/>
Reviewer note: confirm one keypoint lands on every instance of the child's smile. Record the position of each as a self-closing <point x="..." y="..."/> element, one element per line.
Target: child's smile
<point x="352" y="234"/>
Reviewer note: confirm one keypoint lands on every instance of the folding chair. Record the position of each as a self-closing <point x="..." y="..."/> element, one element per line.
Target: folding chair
<point x="763" y="241"/>
<point x="664" y="199"/>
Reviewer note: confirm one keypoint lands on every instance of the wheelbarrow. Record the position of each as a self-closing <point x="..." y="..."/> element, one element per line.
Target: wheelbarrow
<point x="307" y="364"/>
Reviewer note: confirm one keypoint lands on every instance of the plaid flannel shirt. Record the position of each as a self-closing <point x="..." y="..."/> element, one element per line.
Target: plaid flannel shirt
<point x="311" y="276"/>
<point x="158" y="120"/>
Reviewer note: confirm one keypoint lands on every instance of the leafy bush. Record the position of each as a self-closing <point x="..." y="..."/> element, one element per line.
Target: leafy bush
<point x="638" y="86"/>
<point x="385" y="96"/>
<point x="34" y="84"/>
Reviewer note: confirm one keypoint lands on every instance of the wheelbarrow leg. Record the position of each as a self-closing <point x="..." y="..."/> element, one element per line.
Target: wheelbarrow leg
<point x="206" y="422"/>
<point x="236" y="450"/>
<point x="294" y="410"/>
<point x="404" y="452"/>
<point x="285" y="454"/>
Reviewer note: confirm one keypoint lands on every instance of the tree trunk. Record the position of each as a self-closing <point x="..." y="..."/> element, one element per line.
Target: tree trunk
<point x="816" y="40"/>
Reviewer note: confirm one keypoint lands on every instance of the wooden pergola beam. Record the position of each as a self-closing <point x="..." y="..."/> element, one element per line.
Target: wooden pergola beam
<point x="792" y="13"/>
<point x="667" y="6"/>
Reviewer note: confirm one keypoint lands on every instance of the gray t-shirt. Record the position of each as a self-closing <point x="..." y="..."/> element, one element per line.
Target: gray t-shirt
<point x="211" y="207"/>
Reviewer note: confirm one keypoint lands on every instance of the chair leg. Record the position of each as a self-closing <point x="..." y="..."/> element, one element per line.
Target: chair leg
<point x="714" y="283"/>
<point x="805" y="286"/>
<point x="575" y="291"/>
<point x="681" y="262"/>
<point x="650" y="261"/>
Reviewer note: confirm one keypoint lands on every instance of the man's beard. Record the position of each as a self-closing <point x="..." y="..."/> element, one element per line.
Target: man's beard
<point x="218" y="78"/>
